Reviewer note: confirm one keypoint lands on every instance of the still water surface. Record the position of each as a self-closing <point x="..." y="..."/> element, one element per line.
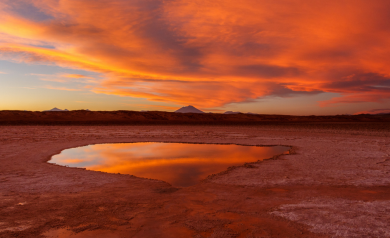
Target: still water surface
<point x="180" y="164"/>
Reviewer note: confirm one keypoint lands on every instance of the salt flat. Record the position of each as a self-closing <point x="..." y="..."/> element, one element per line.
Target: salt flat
<point x="335" y="183"/>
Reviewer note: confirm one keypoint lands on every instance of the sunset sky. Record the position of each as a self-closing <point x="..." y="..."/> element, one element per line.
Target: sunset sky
<point x="295" y="57"/>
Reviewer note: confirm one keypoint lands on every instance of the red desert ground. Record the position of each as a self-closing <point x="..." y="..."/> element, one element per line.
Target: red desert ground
<point x="204" y="119"/>
<point x="334" y="182"/>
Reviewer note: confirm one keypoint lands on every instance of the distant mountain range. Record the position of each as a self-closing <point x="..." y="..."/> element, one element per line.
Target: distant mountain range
<point x="56" y="110"/>
<point x="60" y="110"/>
<point x="231" y="112"/>
<point x="189" y="109"/>
<point x="192" y="109"/>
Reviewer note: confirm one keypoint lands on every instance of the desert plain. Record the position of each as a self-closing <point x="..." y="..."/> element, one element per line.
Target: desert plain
<point x="335" y="182"/>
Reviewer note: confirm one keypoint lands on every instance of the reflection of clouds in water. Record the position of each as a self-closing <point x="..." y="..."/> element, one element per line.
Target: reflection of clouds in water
<point x="72" y="161"/>
<point x="152" y="151"/>
<point x="180" y="164"/>
<point x="84" y="157"/>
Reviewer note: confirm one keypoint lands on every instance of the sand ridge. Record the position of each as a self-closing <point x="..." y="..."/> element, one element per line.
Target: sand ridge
<point x="334" y="181"/>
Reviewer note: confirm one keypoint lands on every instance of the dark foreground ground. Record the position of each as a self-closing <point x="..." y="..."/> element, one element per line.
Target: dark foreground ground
<point x="335" y="183"/>
<point x="81" y="117"/>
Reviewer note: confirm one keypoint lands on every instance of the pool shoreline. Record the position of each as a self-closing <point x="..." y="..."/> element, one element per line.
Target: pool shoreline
<point x="188" y="163"/>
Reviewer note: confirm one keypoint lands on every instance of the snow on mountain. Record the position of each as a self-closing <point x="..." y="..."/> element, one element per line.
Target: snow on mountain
<point x="189" y="109"/>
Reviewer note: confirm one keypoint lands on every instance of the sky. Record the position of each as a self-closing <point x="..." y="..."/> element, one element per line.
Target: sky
<point x="293" y="57"/>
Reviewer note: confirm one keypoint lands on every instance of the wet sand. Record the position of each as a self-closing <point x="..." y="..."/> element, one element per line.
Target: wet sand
<point x="335" y="183"/>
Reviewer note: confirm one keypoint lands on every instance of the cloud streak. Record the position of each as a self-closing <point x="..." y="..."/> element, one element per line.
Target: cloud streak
<point x="63" y="88"/>
<point x="66" y="78"/>
<point x="375" y="111"/>
<point x="208" y="54"/>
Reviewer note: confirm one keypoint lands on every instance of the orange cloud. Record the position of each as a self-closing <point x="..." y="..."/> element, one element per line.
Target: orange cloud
<point x="63" y="88"/>
<point x="77" y="76"/>
<point x="148" y="106"/>
<point x="66" y="78"/>
<point x="209" y="54"/>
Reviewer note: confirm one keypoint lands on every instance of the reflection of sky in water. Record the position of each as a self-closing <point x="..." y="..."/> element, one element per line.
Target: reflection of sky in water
<point x="180" y="164"/>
